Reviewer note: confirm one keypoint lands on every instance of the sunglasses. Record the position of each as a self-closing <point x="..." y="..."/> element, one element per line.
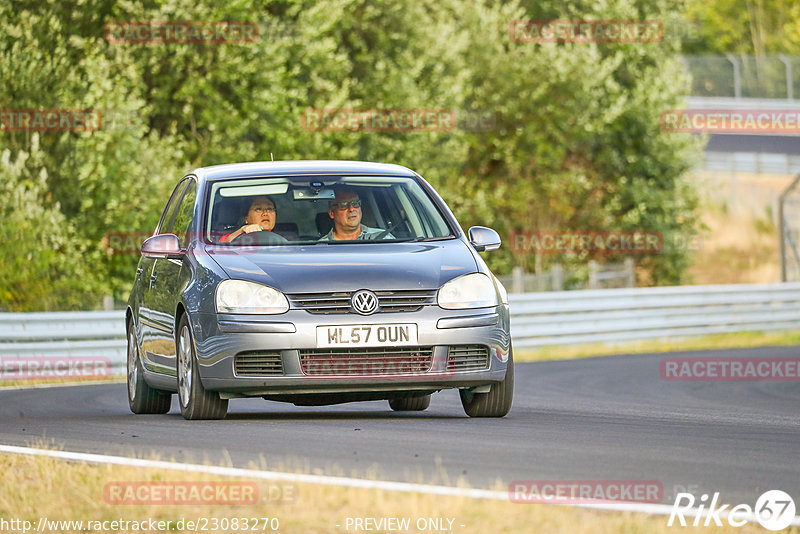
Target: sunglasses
<point x="346" y="205"/>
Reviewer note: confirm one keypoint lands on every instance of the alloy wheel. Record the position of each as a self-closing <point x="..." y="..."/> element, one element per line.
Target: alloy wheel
<point x="185" y="366"/>
<point x="133" y="371"/>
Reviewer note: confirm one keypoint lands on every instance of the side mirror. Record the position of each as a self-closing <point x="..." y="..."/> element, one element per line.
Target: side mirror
<point x="162" y="246"/>
<point x="483" y="238"/>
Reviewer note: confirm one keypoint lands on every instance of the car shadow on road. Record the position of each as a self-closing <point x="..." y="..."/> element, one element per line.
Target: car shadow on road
<point x="337" y="415"/>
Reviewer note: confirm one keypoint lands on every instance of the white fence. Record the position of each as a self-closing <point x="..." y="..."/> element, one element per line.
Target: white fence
<point x="537" y="319"/>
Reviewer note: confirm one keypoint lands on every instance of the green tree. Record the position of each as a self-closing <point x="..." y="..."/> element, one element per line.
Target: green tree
<point x="576" y="142"/>
<point x="110" y="180"/>
<point x="44" y="263"/>
<point x="755" y="27"/>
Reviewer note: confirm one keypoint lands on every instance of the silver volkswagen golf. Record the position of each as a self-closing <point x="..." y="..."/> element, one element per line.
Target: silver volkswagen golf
<point x="315" y="283"/>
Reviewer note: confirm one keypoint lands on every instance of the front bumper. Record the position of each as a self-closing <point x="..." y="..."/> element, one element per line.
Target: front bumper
<point x="220" y="338"/>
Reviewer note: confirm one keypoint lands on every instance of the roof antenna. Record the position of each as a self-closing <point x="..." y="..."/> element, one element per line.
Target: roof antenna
<point x="270" y="157"/>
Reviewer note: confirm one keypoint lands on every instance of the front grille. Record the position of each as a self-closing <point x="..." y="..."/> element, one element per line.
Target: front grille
<point x="372" y="361"/>
<point x="339" y="302"/>
<point x="258" y="363"/>
<point x="467" y="358"/>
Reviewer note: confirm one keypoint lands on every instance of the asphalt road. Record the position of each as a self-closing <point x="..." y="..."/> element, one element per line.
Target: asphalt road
<point x="609" y="418"/>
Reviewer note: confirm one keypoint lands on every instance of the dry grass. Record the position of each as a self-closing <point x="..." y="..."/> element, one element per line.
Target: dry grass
<point x="737" y="247"/>
<point x="34" y="487"/>
<point x="716" y="341"/>
<point x="736" y="250"/>
<point x="16" y="383"/>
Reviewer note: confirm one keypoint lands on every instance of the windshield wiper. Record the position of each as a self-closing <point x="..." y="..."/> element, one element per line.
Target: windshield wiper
<point x="440" y="238"/>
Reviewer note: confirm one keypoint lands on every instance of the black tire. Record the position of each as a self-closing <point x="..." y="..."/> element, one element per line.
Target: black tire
<point x="410" y="404"/>
<point x="142" y="399"/>
<point x="497" y="402"/>
<point x="195" y="401"/>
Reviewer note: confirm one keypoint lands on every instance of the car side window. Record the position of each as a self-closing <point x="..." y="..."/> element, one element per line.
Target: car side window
<point x="168" y="217"/>
<point x="184" y="216"/>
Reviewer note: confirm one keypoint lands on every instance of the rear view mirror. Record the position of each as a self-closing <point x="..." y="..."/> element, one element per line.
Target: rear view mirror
<point x="483" y="238"/>
<point x="162" y="246"/>
<point x="314" y="193"/>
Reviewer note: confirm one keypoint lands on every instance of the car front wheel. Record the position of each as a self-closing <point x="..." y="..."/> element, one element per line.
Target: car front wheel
<point x="195" y="401"/>
<point x="495" y="403"/>
<point x="142" y="399"/>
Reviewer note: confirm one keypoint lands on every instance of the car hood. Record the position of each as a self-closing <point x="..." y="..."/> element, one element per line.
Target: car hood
<point x="347" y="267"/>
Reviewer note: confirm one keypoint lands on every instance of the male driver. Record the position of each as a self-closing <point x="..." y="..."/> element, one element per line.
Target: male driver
<point x="345" y="210"/>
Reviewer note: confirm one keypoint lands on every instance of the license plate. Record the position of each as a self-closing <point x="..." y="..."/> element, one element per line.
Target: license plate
<point x="367" y="335"/>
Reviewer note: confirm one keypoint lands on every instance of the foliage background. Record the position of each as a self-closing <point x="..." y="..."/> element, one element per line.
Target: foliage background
<point x="575" y="144"/>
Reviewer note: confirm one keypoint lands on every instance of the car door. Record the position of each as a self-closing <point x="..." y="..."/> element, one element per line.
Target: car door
<point x="158" y="340"/>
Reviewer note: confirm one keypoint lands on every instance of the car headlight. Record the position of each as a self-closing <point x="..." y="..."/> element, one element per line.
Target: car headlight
<point x="474" y="290"/>
<point x="240" y="296"/>
<point x="502" y="289"/>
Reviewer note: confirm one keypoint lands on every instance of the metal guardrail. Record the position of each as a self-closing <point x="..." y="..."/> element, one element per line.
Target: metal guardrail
<point x="537" y="319"/>
<point x="63" y="334"/>
<point x="621" y="315"/>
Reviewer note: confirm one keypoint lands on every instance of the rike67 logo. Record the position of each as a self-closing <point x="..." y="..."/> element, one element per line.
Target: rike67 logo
<point x="774" y="510"/>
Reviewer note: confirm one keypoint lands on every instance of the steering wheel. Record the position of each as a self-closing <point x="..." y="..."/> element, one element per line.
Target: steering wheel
<point x="264" y="237"/>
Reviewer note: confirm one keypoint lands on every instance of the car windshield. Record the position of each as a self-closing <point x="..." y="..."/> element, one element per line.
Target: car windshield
<point x="321" y="209"/>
